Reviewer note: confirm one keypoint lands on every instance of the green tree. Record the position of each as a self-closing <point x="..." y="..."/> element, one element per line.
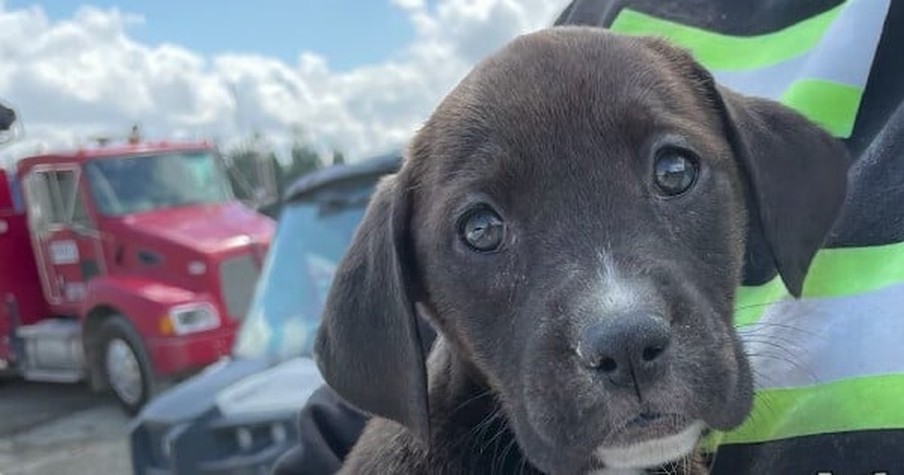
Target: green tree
<point x="254" y="171"/>
<point x="303" y="159"/>
<point x="338" y="157"/>
<point x="245" y="161"/>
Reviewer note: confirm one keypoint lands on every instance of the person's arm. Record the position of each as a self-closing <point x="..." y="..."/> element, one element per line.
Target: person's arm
<point x="328" y="428"/>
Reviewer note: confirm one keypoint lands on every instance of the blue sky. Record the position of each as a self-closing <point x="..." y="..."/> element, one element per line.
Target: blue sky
<point x="348" y="33"/>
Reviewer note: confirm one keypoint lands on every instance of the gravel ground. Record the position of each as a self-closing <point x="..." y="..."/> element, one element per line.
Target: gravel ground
<point x="60" y="429"/>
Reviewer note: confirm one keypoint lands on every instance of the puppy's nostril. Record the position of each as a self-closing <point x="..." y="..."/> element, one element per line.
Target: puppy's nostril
<point x="650" y="416"/>
<point x="650" y="353"/>
<point x="608" y="365"/>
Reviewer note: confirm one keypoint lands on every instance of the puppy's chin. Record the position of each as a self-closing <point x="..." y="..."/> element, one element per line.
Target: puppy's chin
<point x="643" y="442"/>
<point x="670" y="444"/>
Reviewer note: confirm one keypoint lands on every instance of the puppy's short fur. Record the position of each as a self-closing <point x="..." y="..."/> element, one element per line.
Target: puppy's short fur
<point x="598" y="337"/>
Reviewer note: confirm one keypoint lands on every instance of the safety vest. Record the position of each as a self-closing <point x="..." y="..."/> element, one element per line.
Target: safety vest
<point x="829" y="367"/>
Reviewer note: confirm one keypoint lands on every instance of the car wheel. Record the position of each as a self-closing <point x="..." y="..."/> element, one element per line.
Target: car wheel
<point x="125" y="364"/>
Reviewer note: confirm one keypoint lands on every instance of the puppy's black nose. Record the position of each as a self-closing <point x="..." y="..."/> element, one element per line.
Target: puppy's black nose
<point x="626" y="348"/>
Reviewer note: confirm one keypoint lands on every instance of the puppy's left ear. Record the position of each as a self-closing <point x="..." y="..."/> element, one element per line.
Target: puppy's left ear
<point x="795" y="173"/>
<point x="368" y="347"/>
<point x="796" y="179"/>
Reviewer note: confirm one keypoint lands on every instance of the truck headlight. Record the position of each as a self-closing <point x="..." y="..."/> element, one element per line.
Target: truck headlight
<point x="244" y="438"/>
<point x="260" y="435"/>
<point x="196" y="268"/>
<point x="168" y="441"/>
<point x="166" y="447"/>
<point x="193" y="318"/>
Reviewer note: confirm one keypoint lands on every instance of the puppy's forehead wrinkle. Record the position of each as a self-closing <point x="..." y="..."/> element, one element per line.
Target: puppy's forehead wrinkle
<point x="560" y="78"/>
<point x="595" y="65"/>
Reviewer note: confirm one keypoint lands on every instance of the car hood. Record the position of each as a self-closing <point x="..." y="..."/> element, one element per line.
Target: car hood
<point x="207" y="228"/>
<point x="237" y="387"/>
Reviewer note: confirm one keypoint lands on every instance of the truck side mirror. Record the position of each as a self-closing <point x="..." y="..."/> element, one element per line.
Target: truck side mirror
<point x="253" y="176"/>
<point x="7" y="118"/>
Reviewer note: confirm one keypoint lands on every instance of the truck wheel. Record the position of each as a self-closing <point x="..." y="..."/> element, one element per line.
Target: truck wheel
<point x="125" y="364"/>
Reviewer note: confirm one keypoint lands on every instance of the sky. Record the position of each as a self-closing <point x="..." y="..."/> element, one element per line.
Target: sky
<point x="354" y="75"/>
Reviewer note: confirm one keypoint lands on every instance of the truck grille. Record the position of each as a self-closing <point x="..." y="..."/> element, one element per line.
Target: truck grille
<point x="238" y="276"/>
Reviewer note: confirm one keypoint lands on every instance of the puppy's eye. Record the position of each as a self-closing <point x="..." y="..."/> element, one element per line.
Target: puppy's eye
<point x="675" y="172"/>
<point x="482" y="229"/>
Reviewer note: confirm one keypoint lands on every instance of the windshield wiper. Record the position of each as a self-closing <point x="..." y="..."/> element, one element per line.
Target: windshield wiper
<point x="336" y="204"/>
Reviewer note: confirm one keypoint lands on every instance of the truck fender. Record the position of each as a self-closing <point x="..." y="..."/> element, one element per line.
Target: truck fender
<point x="141" y="302"/>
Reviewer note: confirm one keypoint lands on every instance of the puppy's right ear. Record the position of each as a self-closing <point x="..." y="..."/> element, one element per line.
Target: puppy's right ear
<point x="368" y="346"/>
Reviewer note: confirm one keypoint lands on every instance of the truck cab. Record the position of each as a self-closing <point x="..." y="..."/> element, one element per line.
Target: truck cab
<point x="123" y="266"/>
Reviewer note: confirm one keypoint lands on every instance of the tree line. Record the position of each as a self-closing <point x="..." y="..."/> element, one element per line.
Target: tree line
<point x="259" y="178"/>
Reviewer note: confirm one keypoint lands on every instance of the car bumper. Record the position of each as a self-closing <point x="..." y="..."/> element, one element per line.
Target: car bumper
<point x="184" y="354"/>
<point x="236" y="417"/>
<point x="213" y="446"/>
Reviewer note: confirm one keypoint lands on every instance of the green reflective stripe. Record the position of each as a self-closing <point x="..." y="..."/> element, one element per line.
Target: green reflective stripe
<point x="831" y="105"/>
<point x="834" y="272"/>
<point x="710" y="442"/>
<point x="850" y="271"/>
<point x="719" y="51"/>
<point x="834" y="407"/>
<point x="810" y="66"/>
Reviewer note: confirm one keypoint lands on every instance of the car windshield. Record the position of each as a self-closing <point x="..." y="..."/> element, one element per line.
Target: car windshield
<point x="127" y="185"/>
<point x="310" y="239"/>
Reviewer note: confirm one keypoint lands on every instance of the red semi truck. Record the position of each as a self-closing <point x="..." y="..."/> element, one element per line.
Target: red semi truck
<point x="123" y="266"/>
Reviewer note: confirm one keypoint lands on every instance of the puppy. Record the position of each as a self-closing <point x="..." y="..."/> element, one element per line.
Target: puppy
<point x="573" y="220"/>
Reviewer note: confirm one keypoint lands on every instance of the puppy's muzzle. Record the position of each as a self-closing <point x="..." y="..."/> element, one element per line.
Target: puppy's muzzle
<point x="628" y="349"/>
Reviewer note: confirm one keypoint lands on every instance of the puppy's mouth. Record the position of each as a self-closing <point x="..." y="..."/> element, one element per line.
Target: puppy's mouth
<point x="650" y="439"/>
<point x="647" y="425"/>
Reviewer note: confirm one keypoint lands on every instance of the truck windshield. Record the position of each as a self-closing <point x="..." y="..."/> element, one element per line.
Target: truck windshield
<point x="127" y="185"/>
<point x="310" y="239"/>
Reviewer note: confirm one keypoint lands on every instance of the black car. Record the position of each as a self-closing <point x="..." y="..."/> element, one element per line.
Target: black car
<point x="238" y="415"/>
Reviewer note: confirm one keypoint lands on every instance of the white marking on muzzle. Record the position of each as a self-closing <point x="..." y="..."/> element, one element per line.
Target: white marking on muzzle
<point x="616" y="292"/>
<point x="617" y="471"/>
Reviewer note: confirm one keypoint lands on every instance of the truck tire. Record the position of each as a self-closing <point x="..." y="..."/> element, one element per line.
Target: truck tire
<point x="124" y="364"/>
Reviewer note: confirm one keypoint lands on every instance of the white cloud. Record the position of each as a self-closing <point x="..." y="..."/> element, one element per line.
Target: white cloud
<point x="409" y="4"/>
<point x="86" y="75"/>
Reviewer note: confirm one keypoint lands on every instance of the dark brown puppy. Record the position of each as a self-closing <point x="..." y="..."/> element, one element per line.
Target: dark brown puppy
<point x="572" y="220"/>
